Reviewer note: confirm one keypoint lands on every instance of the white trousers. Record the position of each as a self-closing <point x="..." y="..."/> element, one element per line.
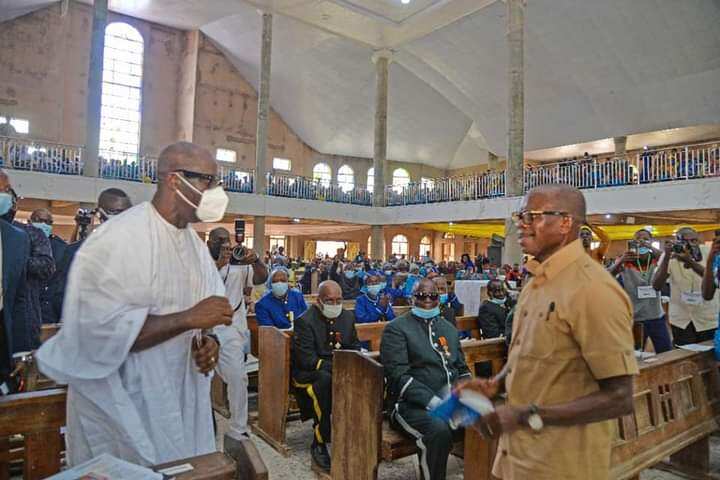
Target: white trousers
<point x="231" y="368"/>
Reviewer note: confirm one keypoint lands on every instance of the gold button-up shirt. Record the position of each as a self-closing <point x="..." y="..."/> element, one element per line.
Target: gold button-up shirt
<point x="572" y="327"/>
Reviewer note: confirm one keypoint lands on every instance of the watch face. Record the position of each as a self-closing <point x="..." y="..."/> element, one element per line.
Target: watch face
<point x="535" y="422"/>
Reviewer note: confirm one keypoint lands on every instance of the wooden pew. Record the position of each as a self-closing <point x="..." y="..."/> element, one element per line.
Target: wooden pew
<point x="372" y="332"/>
<point x="361" y="437"/>
<point x="39" y="417"/>
<point x="274" y="376"/>
<point x="677" y="407"/>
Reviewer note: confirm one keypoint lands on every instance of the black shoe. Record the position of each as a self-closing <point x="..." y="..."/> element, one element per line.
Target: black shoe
<point x="320" y="455"/>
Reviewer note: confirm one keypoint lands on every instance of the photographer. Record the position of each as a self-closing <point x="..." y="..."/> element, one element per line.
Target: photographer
<point x="692" y="319"/>
<point x="634" y="270"/>
<point x="111" y="202"/>
<point x="239" y="269"/>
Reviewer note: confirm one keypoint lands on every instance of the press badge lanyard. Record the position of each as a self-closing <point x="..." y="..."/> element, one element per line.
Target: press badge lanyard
<point x="242" y="300"/>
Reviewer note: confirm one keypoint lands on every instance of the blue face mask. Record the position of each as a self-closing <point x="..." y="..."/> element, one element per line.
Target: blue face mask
<point x="6" y="203"/>
<point x="443" y="298"/>
<point x="373" y="290"/>
<point x="361" y="273"/>
<point x="425" y="312"/>
<point x="46" y="229"/>
<point x="388" y="272"/>
<point x="279" y="289"/>
<point x="498" y="301"/>
<point x="349" y="274"/>
<point x="643" y="251"/>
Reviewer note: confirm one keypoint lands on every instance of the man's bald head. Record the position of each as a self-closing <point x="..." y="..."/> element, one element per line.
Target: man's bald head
<point x="329" y="288"/>
<point x="185" y="156"/>
<point x="560" y="213"/>
<point x="41" y="215"/>
<point x="563" y="198"/>
<point x="114" y="201"/>
<point x="219" y="235"/>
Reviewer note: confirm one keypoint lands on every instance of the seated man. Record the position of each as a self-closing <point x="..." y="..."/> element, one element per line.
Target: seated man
<point x="375" y="305"/>
<point x="446" y="309"/>
<point x="322" y="329"/>
<point x="418" y="371"/>
<point x="494" y="311"/>
<point x="345" y="275"/>
<point x="281" y="305"/>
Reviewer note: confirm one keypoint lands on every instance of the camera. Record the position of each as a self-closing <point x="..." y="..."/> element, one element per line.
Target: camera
<point x="238" y="253"/>
<point x="84" y="218"/>
<point x="679" y="247"/>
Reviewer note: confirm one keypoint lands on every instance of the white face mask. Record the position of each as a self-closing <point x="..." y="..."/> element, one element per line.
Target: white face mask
<point x="213" y="202"/>
<point x="331" y="311"/>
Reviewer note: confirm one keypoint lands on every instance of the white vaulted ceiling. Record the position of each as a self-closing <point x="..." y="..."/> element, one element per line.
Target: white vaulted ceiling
<point x="594" y="68"/>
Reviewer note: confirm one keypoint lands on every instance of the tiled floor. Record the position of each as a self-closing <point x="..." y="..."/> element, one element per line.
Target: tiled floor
<point x="297" y="465"/>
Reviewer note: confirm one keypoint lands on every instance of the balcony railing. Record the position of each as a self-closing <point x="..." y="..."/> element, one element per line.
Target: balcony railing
<point x="652" y="166"/>
<point x="310" y="189"/>
<point x="40" y="156"/>
<point x="450" y="189"/>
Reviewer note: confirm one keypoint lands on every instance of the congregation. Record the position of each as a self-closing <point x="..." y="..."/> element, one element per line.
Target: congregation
<point x="359" y="240"/>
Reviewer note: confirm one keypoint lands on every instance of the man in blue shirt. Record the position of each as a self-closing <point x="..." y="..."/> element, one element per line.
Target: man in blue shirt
<point x="711" y="276"/>
<point x="375" y="305"/>
<point x="281" y="305"/>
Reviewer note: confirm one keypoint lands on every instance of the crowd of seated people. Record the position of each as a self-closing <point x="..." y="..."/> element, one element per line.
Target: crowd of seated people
<point x="315" y="189"/>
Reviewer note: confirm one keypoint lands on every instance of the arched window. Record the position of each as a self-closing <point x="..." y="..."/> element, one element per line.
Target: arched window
<point x="120" y="114"/>
<point x="346" y="178"/>
<point x="425" y="247"/>
<point x="400" y="178"/>
<point x="400" y="245"/>
<point x="371" y="179"/>
<point x="322" y="172"/>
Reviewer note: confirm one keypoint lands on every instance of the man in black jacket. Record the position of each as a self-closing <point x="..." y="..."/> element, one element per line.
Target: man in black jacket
<point x="51" y="291"/>
<point x="345" y="275"/>
<point x="322" y="329"/>
<point x="422" y="359"/>
<point x="494" y="311"/>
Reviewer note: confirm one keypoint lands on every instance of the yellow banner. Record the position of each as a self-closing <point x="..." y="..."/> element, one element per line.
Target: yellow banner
<point x="615" y="232"/>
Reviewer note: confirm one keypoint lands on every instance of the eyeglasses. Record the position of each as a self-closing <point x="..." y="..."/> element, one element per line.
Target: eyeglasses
<point x="527" y="217"/>
<point x="425" y="295"/>
<point x="212" y="180"/>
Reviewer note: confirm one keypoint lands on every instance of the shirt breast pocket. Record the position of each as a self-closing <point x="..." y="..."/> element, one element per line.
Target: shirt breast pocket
<point x="541" y="338"/>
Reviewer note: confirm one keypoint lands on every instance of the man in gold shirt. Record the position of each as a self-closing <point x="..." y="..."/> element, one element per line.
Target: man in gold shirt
<point x="571" y="360"/>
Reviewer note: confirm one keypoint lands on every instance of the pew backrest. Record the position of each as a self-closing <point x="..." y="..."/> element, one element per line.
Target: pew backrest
<point x="38" y="417"/>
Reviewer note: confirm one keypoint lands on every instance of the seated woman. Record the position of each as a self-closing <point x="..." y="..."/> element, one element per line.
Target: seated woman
<point x="375" y="305"/>
<point x="281" y="305"/>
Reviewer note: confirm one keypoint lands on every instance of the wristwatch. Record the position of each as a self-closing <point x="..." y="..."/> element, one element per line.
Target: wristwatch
<point x="534" y="420"/>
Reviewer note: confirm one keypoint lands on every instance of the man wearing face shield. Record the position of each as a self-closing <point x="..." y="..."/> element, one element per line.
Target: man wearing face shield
<point x="322" y="329"/>
<point x="280" y="305"/>
<point x="634" y="270"/>
<point x="422" y="360"/>
<point x="692" y="318"/>
<point x="136" y="345"/>
<point x="494" y="311"/>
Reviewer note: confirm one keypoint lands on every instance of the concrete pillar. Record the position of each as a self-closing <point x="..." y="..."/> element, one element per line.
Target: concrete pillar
<point x="94" y="90"/>
<point x="381" y="59"/>
<point x="263" y="106"/>
<point x="620" y="146"/>
<point x="261" y="242"/>
<point x="516" y="120"/>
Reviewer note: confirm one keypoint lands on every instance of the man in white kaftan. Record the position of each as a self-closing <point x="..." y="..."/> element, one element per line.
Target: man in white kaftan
<point x="142" y="401"/>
